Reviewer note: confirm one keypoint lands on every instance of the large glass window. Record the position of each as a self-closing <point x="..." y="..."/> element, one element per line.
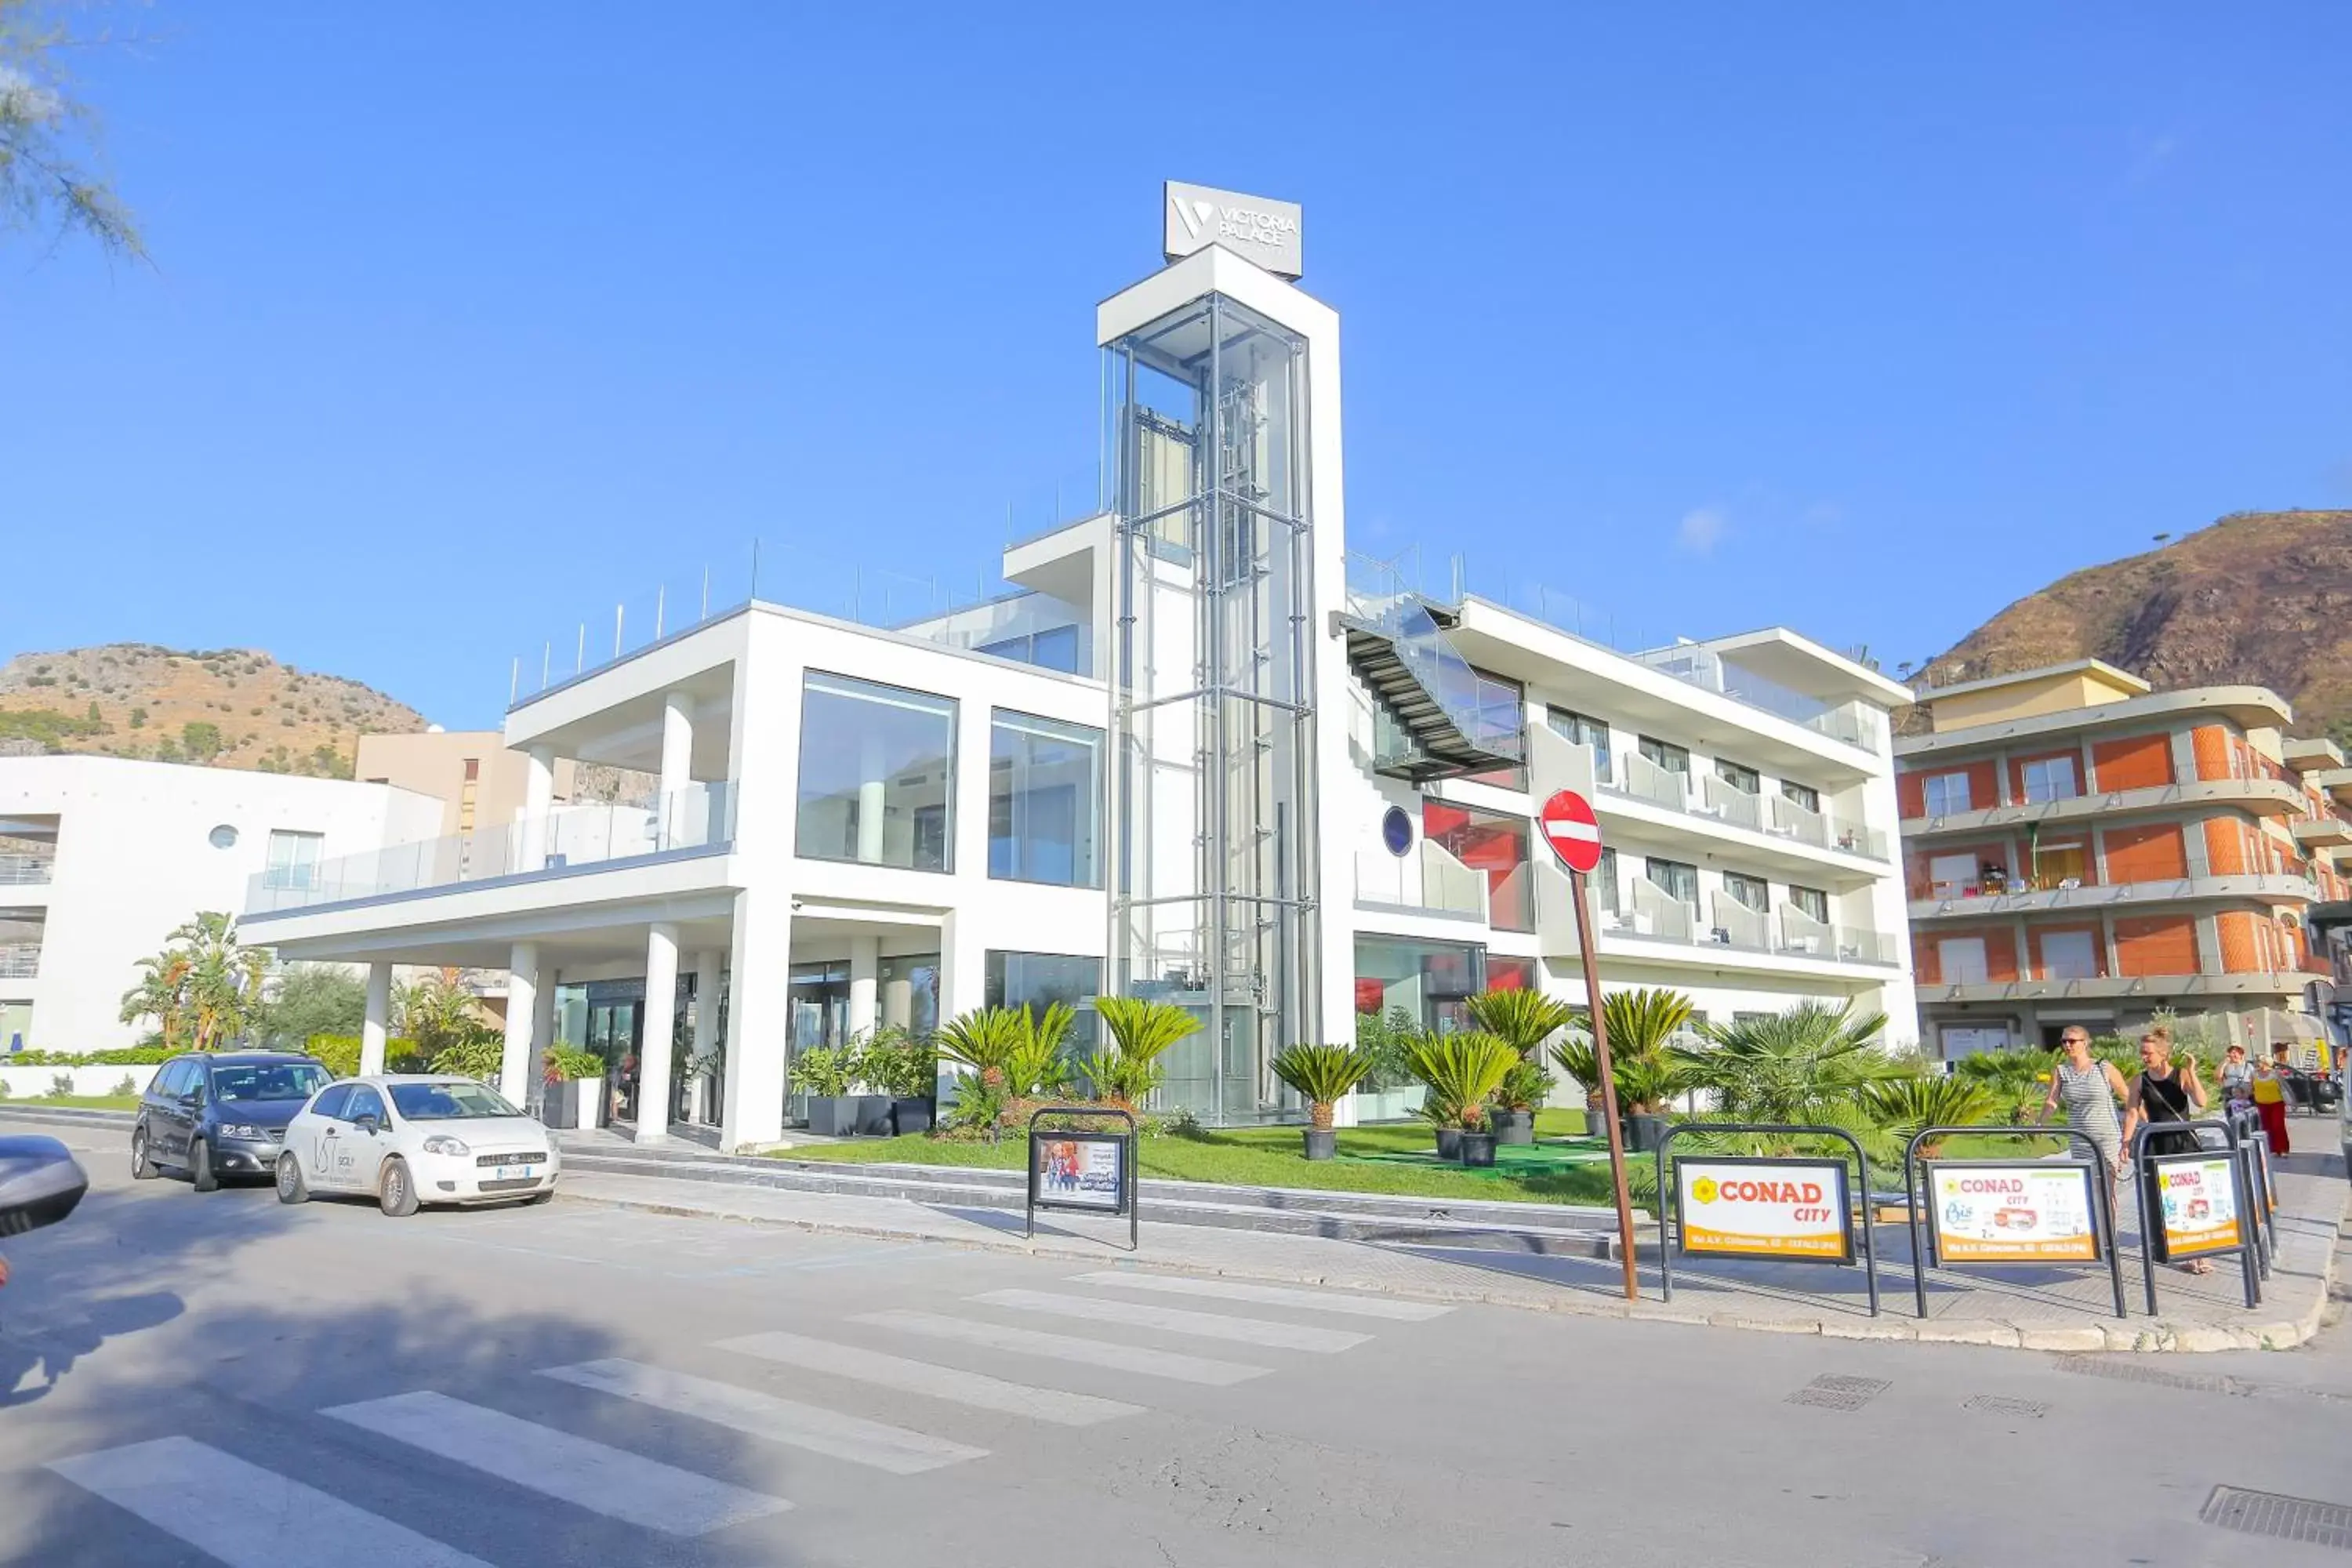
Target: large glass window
<point x="1812" y="902"/>
<point x="1805" y="796"/>
<point x="1432" y="980"/>
<point x="2050" y="778"/>
<point x="1944" y="794"/>
<point x="1038" y="980"/>
<point x="1750" y="891"/>
<point x="293" y="860"/>
<point x="1676" y="876"/>
<point x="1667" y="754"/>
<point x="1055" y="648"/>
<point x="1493" y="846"/>
<point x="1044" y="801"/>
<point x="1743" y="779"/>
<point x="877" y="774"/>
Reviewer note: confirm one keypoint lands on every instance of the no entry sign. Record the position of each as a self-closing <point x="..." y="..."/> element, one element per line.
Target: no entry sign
<point x="1572" y="829"/>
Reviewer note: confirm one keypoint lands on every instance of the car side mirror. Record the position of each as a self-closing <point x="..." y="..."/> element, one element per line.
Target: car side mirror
<point x="41" y="1182"/>
<point x="366" y="1124"/>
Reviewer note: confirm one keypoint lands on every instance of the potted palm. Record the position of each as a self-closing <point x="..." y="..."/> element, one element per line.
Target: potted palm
<point x="1463" y="1072"/>
<point x="1516" y="1101"/>
<point x="1323" y="1076"/>
<point x="1642" y="1026"/>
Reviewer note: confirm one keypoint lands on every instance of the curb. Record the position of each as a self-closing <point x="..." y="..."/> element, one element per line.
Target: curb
<point x="2142" y="1336"/>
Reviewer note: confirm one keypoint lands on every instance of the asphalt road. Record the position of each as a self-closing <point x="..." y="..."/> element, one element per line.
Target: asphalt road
<point x="191" y="1379"/>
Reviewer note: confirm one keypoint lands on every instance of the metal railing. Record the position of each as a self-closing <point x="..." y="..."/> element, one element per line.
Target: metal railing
<point x="568" y="839"/>
<point x="20" y="961"/>
<point x="1377" y="594"/>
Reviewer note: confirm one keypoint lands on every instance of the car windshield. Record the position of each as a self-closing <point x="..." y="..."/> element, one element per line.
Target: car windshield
<point x="269" y="1080"/>
<point x="447" y="1101"/>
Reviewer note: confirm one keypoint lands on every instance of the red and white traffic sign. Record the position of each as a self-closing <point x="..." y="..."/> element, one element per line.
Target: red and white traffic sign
<point x="1572" y="829"/>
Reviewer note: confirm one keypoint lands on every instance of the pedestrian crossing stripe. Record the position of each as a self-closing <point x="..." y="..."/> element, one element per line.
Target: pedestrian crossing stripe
<point x="1267" y="1295"/>
<point x="1175" y="1320"/>
<point x="1133" y="1360"/>
<point x="953" y="1384"/>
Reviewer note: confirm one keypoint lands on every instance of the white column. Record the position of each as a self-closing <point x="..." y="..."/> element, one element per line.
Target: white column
<point x="661" y="1010"/>
<point x="871" y="786"/>
<point x="538" y="802"/>
<point x="373" y="1032"/>
<point x="522" y="1012"/>
<point x="865" y="977"/>
<point x="542" y="1016"/>
<point x="758" y="1007"/>
<point x="677" y="764"/>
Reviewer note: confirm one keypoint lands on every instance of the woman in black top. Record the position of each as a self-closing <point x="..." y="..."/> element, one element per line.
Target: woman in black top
<point x="2164" y="1092"/>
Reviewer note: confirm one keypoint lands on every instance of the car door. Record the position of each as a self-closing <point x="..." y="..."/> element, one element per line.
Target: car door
<point x="174" y="1118"/>
<point x="368" y="1135"/>
<point x="321" y="1137"/>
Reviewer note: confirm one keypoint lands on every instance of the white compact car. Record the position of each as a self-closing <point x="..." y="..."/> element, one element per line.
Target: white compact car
<point x="412" y="1139"/>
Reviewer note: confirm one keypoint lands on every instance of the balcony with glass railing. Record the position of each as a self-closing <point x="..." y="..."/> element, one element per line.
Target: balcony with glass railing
<point x="1718" y="800"/>
<point x="20" y="949"/>
<point x="1428" y="880"/>
<point x="27" y="862"/>
<point x="697" y="820"/>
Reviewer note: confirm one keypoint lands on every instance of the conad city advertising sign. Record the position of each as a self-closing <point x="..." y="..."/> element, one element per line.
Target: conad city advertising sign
<point x="1985" y="1211"/>
<point x="1270" y="233"/>
<point x="2200" y="1193"/>
<point x="1763" y="1208"/>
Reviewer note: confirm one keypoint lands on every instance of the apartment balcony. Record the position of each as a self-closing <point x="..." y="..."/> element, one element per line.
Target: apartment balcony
<point x="1773" y="833"/>
<point x="2042" y="986"/>
<point x="1976" y="900"/>
<point x="20" y="960"/>
<point x="1429" y="882"/>
<point x="568" y="841"/>
<point x="1656" y="926"/>
<point x="2325" y="831"/>
<point x="20" y="870"/>
<point x="2261" y="796"/>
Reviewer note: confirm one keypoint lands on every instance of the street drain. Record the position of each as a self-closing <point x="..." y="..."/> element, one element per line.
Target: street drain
<point x="1832" y="1392"/>
<point x="2282" y="1518"/>
<point x="1997" y="1405"/>
<point x="2138" y="1372"/>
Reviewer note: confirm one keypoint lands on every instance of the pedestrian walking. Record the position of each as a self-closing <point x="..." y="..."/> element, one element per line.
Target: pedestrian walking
<point x="2090" y="1090"/>
<point x="2269" y="1093"/>
<point x="2237" y="1079"/>
<point x="2164" y="1091"/>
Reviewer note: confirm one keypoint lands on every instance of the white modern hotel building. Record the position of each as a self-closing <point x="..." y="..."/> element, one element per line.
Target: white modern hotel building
<point x="1205" y="754"/>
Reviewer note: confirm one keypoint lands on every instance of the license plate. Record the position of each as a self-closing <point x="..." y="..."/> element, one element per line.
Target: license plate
<point x="516" y="1173"/>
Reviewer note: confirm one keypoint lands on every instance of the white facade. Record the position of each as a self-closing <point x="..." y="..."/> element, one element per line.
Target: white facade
<point x="1167" y="775"/>
<point x="100" y="858"/>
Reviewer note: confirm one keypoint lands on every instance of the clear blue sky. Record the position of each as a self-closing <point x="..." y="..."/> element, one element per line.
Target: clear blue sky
<point x="470" y="320"/>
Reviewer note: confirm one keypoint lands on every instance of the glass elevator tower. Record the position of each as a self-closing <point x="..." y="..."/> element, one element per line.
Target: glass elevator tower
<point x="1213" y="890"/>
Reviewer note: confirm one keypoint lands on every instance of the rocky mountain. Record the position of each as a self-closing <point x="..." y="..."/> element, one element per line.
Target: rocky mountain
<point x="231" y="708"/>
<point x="2262" y="598"/>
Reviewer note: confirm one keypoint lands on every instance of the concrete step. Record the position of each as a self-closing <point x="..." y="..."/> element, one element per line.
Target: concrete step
<point x="1549" y="1230"/>
<point x="32" y="1110"/>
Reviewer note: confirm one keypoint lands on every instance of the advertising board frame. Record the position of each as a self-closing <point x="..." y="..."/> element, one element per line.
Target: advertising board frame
<point x="1670" y="1198"/>
<point x="2102" y="1215"/>
<point x="1130" y="1180"/>
<point x="2142" y="1168"/>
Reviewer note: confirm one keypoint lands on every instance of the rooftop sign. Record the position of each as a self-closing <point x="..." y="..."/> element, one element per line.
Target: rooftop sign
<point x="1269" y="233"/>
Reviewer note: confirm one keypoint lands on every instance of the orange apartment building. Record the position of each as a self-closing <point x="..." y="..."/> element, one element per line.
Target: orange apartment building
<point x="2081" y="849"/>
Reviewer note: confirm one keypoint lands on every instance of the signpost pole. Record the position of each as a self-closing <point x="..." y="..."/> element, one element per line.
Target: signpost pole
<point x="1607" y="1081"/>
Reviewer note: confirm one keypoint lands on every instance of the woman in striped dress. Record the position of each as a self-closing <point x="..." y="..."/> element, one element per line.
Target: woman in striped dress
<point x="2090" y="1090"/>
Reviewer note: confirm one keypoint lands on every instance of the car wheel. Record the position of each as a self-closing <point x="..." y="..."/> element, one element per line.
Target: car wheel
<point x="142" y="1167"/>
<point x="200" y="1166"/>
<point x="291" y="1187"/>
<point x="395" y="1190"/>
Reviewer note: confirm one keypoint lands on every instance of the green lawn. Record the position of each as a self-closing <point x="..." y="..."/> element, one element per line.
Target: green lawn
<point x="1371" y="1160"/>
<point x="80" y="1101"/>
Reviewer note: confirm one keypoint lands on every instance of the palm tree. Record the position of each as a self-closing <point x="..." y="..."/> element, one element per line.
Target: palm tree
<point x="1323" y="1076"/>
<point x="439" y="1014"/>
<point x="202" y="990"/>
<point x="1462" y="1072"/>
<point x="1141" y="1032"/>
<point x="1524" y="1018"/>
<point x="1643" y="1024"/>
<point x="1808" y="1064"/>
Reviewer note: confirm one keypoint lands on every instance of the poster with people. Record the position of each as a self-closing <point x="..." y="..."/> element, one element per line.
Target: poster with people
<point x="1080" y="1170"/>
<point x="2029" y="1212"/>
<point x="2200" y="1195"/>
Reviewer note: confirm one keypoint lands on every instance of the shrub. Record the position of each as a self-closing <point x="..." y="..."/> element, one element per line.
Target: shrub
<point x="1141" y="1032"/>
<point x="60" y="1085"/>
<point x="481" y="1058"/>
<point x="123" y="1055"/>
<point x="561" y="1064"/>
<point x="1525" y="1086"/>
<point x="901" y="1065"/>
<point x="124" y="1087"/>
<point x="1385" y="1038"/>
<point x="340" y="1055"/>
<point x="824" y="1072"/>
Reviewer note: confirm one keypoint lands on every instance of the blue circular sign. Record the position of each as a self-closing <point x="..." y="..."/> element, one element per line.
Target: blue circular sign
<point x="1396" y="831"/>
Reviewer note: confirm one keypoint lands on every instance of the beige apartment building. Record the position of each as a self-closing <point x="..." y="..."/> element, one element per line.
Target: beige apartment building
<point x="2079" y="848"/>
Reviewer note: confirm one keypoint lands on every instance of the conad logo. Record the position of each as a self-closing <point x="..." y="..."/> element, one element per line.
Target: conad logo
<point x="1704" y="1189"/>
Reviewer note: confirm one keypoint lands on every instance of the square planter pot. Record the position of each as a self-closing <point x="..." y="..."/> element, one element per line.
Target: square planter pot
<point x="1515" y="1127"/>
<point x="872" y="1114"/>
<point x="558" y="1106"/>
<point x="1321" y="1145"/>
<point x="588" y="1101"/>
<point x="1477" y="1148"/>
<point x="911" y="1116"/>
<point x="833" y="1115"/>
<point x="1645" y="1131"/>
<point x="1449" y="1143"/>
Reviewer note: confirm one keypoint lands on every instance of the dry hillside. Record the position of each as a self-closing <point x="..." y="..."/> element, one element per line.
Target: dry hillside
<point x="232" y="708"/>
<point x="2261" y="598"/>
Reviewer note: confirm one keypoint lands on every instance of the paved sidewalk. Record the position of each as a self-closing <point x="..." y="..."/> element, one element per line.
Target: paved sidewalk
<point x="2066" y="1309"/>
